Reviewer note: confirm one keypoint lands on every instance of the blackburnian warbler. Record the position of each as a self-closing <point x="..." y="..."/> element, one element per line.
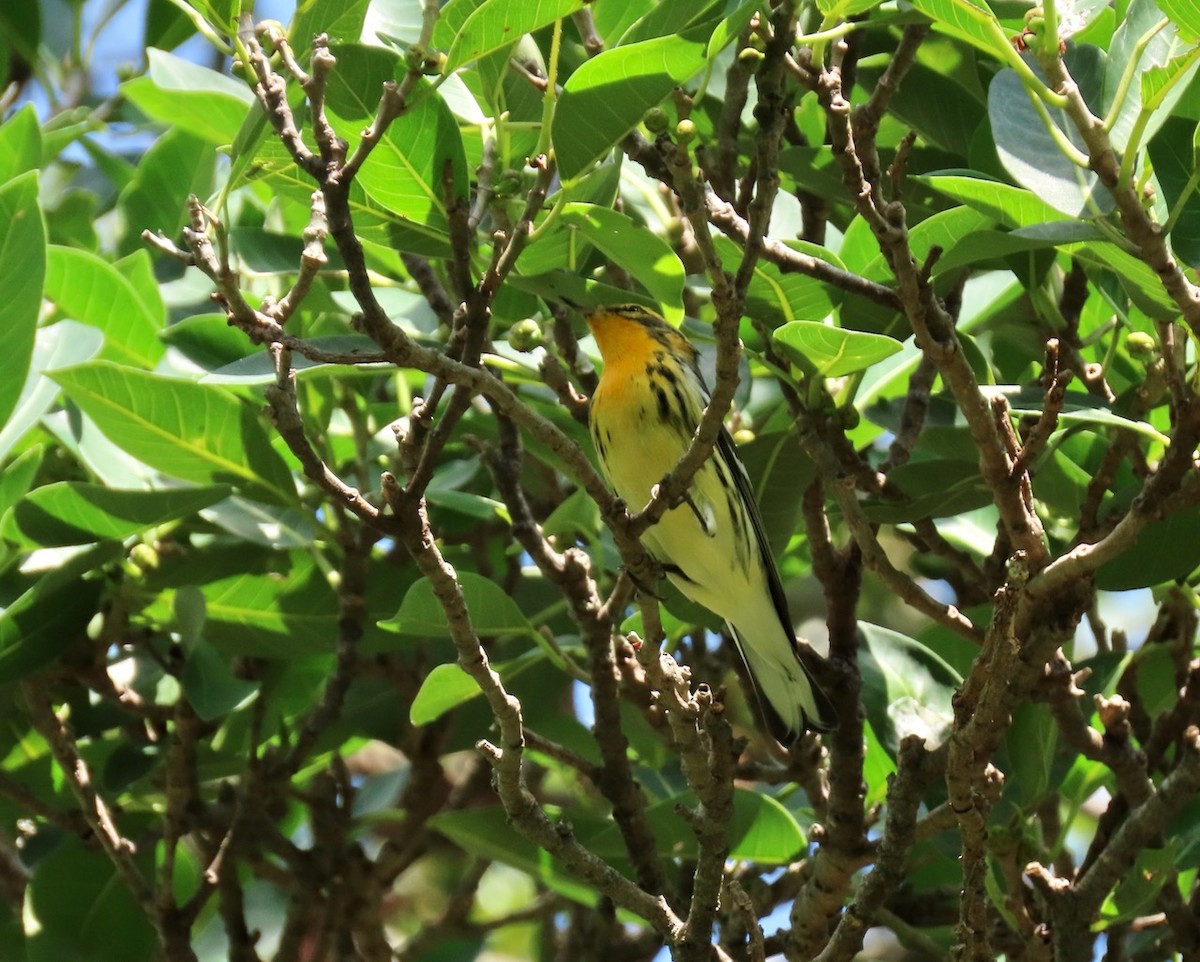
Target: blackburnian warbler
<point x="712" y="547"/>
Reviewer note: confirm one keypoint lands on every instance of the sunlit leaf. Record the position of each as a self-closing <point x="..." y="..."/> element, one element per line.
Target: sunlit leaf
<point x="832" y="351"/>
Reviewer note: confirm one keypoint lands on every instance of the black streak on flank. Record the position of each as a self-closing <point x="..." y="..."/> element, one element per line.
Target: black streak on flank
<point x="665" y="413"/>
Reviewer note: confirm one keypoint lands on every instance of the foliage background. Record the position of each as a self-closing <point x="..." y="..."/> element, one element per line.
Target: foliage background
<point x="245" y="543"/>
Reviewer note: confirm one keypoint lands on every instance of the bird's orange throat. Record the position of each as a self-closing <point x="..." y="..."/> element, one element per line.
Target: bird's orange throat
<point x="624" y="344"/>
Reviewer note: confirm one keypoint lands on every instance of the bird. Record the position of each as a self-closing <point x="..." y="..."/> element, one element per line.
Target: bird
<point x="712" y="545"/>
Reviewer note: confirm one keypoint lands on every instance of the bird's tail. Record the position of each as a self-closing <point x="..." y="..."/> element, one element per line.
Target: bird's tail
<point x="788" y="696"/>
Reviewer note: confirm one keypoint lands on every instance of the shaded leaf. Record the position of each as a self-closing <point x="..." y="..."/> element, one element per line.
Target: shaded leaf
<point x="209" y="685"/>
<point x="906" y="687"/>
<point x="1164" y="551"/>
<point x="74" y="512"/>
<point x="761" y="830"/>
<point x="51" y="615"/>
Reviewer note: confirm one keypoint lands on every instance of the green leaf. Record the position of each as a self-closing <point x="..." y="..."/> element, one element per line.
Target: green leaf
<point x="1164" y="551"/>
<point x="1031" y="740"/>
<point x="407" y="171"/>
<point x="209" y="685"/>
<point x="88" y="289"/>
<point x="1141" y="16"/>
<point x="906" y="687"/>
<point x="833" y="351"/>
<point x="1139" y="886"/>
<point x="52" y="615"/>
<point x="837" y="10"/>
<point x="266" y="524"/>
<point x="972" y="22"/>
<point x="779" y="472"/>
<point x="17" y="477"/>
<point x="760" y="831"/>
<point x="777" y="298"/>
<point x="74" y="512"/>
<point x="20" y="144"/>
<point x="945" y="229"/>
<point x="447" y="686"/>
<point x="730" y="29"/>
<point x="1008" y="205"/>
<point x="991" y="246"/>
<point x="937" y="488"/>
<point x="209" y="341"/>
<point x="184" y="95"/>
<point x="57" y="346"/>
<point x="342" y="20"/>
<point x="1031" y="155"/>
<point x="1174" y="156"/>
<point x="259" y="368"/>
<point x="191" y="614"/>
<point x="189" y="431"/>
<point x="263" y="615"/>
<point x="492" y="611"/>
<point x="451" y="19"/>
<point x="1185" y="14"/>
<point x="23" y="267"/>
<point x="641" y="252"/>
<point x="487" y="832"/>
<point x="499" y="23"/>
<point x="166" y="25"/>
<point x="608" y="96"/>
<point x="1078" y="408"/>
<point x="177" y="165"/>
<point x="76" y="907"/>
<point x="946" y="113"/>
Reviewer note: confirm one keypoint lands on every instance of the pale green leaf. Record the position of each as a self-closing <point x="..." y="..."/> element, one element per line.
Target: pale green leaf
<point x="833" y="351"/>
<point x="185" y="95"/>
<point x="23" y="267"/>
<point x="90" y="290"/>
<point x="498" y="23"/>
<point x="190" y="431"/>
<point x="608" y="96"/>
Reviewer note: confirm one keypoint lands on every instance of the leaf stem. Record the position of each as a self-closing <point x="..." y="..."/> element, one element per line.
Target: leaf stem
<point x="551" y="96"/>
<point x="1184" y="195"/>
<point x="1139" y="48"/>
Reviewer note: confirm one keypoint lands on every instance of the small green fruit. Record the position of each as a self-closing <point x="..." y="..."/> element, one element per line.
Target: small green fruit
<point x="656" y="120"/>
<point x="525" y="335"/>
<point x="1141" y="344"/>
<point x="685" y="131"/>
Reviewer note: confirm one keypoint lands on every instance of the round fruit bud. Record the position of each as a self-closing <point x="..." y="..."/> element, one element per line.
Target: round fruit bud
<point x="751" y="58"/>
<point x="144" y="556"/>
<point x="1140" y="344"/>
<point x="743" y="436"/>
<point x="508" y="183"/>
<point x="433" y="64"/>
<point x="656" y="120"/>
<point x="525" y="335"/>
<point x="848" y="417"/>
<point x="685" y="131"/>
